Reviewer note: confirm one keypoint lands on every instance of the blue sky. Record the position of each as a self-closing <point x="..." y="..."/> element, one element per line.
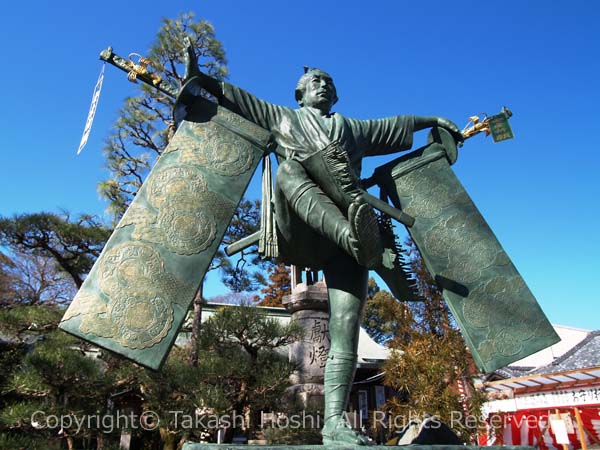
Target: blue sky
<point x="539" y="192"/>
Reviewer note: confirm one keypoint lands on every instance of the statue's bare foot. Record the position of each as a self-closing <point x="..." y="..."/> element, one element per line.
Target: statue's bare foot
<point x="365" y="237"/>
<point x="338" y="432"/>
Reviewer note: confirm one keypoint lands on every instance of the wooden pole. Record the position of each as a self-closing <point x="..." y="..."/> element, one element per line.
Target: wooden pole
<point x="580" y="429"/>
<point x="542" y="432"/>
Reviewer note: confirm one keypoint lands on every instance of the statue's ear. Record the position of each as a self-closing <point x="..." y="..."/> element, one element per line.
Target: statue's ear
<point x="299" y="96"/>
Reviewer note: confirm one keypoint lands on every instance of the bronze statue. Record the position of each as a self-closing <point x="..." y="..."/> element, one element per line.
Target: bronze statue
<point x="322" y="219"/>
<point x="138" y="293"/>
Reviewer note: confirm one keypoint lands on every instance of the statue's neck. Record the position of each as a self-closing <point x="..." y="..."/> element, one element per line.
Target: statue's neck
<point x="319" y="112"/>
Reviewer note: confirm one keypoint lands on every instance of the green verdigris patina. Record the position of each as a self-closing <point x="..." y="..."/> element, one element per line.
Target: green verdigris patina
<point x="138" y="292"/>
<point x="136" y="296"/>
<point x="323" y="219"/>
<point x="497" y="313"/>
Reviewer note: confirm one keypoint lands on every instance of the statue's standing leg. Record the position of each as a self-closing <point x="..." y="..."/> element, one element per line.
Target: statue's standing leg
<point x="347" y="289"/>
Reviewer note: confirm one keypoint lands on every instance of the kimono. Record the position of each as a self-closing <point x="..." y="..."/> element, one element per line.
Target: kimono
<point x="330" y="148"/>
<point x="302" y="132"/>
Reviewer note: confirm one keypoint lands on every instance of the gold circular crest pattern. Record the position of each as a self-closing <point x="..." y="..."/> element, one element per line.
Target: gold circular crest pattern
<point x="494" y="297"/>
<point x="222" y="153"/>
<point x="426" y="180"/>
<point x="170" y="184"/>
<point x="180" y="143"/>
<point x="487" y="350"/>
<point x="138" y="313"/>
<point x="497" y="298"/>
<point x="186" y="230"/>
<point x="465" y="247"/>
<point x="129" y="267"/>
<point x="430" y="206"/>
<point x="141" y="321"/>
<point x="507" y="343"/>
<point x="476" y="312"/>
<point x="187" y="210"/>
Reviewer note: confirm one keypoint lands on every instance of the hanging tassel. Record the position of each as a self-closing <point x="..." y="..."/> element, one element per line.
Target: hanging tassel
<point x="267" y="244"/>
<point x="92" y="112"/>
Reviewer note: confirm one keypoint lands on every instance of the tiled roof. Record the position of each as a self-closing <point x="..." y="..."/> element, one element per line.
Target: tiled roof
<point x="577" y="349"/>
<point x="583" y="355"/>
<point x="513" y="371"/>
<point x="569" y="338"/>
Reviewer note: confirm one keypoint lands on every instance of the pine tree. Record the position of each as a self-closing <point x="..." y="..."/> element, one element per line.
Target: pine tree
<point x="145" y="124"/>
<point x="73" y="244"/>
<point x="48" y="373"/>
<point x="56" y="372"/>
<point x="8" y="281"/>
<point x="143" y="131"/>
<point x="429" y="356"/>
<point x="385" y="317"/>
<point x="258" y="379"/>
<point x="37" y="279"/>
<point x="241" y="273"/>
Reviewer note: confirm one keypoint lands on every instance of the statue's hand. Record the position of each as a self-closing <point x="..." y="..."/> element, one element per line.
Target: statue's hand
<point x="191" y="60"/>
<point x="451" y="127"/>
<point x="201" y="80"/>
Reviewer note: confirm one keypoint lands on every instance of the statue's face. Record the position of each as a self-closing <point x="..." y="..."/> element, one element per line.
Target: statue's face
<point x="319" y="92"/>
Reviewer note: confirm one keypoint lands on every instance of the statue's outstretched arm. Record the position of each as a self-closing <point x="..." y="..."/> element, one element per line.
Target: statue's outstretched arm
<point x="423" y="122"/>
<point x="238" y="100"/>
<point x="395" y="134"/>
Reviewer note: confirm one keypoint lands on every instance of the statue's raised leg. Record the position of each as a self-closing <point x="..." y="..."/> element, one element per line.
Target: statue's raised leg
<point x="357" y="233"/>
<point x="347" y="289"/>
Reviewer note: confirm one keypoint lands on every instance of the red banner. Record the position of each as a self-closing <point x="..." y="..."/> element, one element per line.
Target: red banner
<point x="532" y="427"/>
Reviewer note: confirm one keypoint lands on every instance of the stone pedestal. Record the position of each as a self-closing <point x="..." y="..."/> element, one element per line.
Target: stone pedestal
<point x="309" y="307"/>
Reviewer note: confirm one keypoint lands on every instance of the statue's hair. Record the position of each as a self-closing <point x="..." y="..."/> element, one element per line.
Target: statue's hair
<point x="301" y="86"/>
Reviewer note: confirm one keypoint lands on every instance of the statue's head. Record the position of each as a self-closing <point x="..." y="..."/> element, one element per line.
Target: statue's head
<point x="315" y="88"/>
